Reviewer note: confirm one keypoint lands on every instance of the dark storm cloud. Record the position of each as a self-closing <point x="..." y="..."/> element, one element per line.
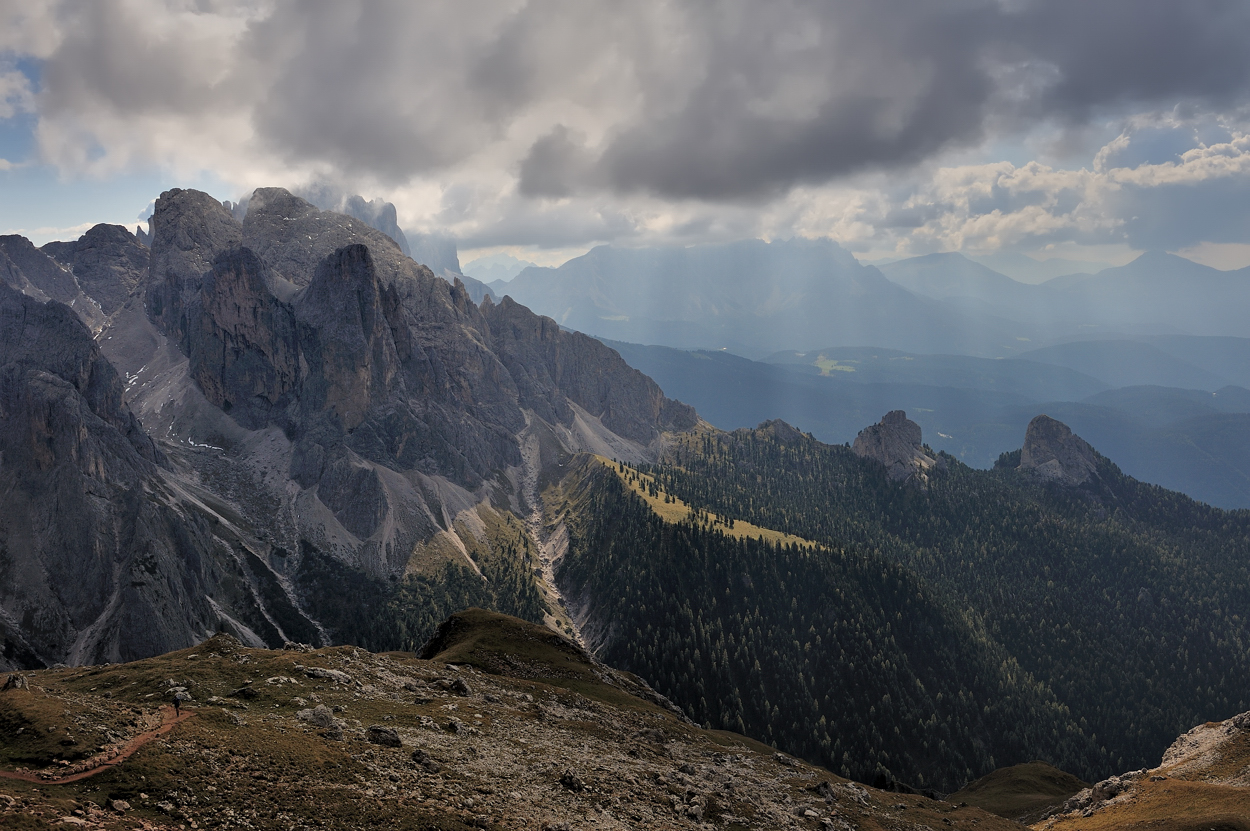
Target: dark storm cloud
<point x="888" y="83"/>
<point x="710" y="100"/>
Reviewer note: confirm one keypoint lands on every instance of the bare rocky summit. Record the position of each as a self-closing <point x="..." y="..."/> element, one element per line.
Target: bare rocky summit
<point x="1053" y="453"/>
<point x="108" y="262"/>
<point x="895" y="443"/>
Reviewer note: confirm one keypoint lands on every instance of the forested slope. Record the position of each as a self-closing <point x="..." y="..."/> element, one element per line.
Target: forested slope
<point x="936" y="632"/>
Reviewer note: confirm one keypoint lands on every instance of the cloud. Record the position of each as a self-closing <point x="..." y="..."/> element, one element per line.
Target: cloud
<point x="581" y="122"/>
<point x="16" y="95"/>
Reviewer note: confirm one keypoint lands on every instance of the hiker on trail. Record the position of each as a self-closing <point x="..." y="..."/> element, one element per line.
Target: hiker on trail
<point x="177" y="706"/>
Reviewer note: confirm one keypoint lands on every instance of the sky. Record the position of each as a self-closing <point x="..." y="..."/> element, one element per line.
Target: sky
<point x="1085" y="130"/>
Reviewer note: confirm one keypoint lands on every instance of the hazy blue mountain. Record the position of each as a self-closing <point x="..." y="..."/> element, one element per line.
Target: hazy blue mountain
<point x="1028" y="270"/>
<point x="1160" y="406"/>
<point x="1156" y="294"/>
<point x="1224" y="356"/>
<point x="1124" y="363"/>
<point x="1160" y="291"/>
<point x="1193" y="441"/>
<point x="952" y="276"/>
<point x="497" y="269"/>
<point x="753" y="298"/>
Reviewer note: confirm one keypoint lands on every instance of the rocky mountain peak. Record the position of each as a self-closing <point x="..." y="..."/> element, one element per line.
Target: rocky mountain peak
<point x="895" y="443"/>
<point x="108" y="262"/>
<point x="189" y="230"/>
<point x="1055" y="454"/>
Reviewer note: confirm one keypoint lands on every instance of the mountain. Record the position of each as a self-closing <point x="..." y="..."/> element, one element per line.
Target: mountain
<point x="107" y="262"/>
<point x="107" y="555"/>
<point x="1052" y="608"/>
<point x="503" y="725"/>
<point x="1125" y="363"/>
<point x="1156" y="294"/>
<point x="752" y="297"/>
<point x="330" y="427"/>
<point x="952" y="276"/>
<point x="497" y="269"/>
<point x="1025" y="269"/>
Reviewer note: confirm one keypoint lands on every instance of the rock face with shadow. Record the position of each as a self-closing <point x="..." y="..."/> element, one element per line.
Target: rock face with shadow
<point x="895" y="443"/>
<point x="108" y="262"/>
<point x="370" y="349"/>
<point x="1053" y="453"/>
<point x="104" y="557"/>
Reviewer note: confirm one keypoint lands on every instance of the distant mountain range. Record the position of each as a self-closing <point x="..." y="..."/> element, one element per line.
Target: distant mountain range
<point x="497" y="269"/>
<point x="1192" y="440"/>
<point x="755" y="298"/>
<point x="1155" y="294"/>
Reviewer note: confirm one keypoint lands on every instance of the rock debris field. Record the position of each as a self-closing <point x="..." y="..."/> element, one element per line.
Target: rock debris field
<point x="341" y="738"/>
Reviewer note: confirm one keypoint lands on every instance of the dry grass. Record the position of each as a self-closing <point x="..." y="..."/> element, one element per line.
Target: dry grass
<point x="1168" y="805"/>
<point x="672" y="510"/>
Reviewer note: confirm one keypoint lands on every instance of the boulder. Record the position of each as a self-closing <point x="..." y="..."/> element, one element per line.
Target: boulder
<point x="385" y="736"/>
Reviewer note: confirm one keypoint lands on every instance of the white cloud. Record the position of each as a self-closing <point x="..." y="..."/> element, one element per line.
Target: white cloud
<point x="16" y="95"/>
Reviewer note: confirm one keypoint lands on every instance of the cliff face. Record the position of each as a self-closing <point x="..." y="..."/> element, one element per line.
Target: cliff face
<point x="308" y="395"/>
<point x="372" y="350"/>
<point x="1053" y="453"/>
<point x="895" y="443"/>
<point x="553" y="369"/>
<point x="105" y="559"/>
<point x="242" y="341"/>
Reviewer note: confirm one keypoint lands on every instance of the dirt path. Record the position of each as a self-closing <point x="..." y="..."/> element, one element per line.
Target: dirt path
<point x="167" y="723"/>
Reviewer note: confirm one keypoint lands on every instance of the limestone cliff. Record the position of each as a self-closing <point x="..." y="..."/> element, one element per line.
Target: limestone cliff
<point x="1053" y="453"/>
<point x="895" y="443"/>
<point x="108" y="263"/>
<point x="105" y="558"/>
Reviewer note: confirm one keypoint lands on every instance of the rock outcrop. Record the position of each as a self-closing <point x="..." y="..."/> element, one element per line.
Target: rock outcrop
<point x="108" y="263"/>
<point x="1053" y="453"/>
<point x="32" y="272"/>
<point x="1203" y="781"/>
<point x="895" y="443"/>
